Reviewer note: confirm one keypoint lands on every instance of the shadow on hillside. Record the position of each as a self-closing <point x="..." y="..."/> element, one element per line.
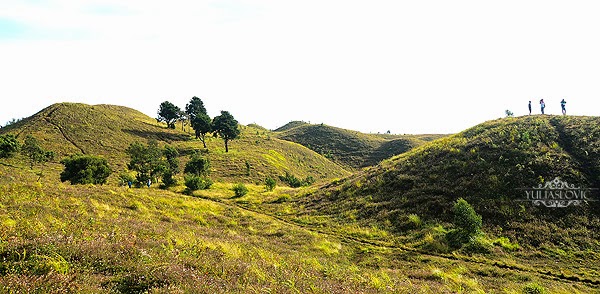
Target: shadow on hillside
<point x="159" y="136"/>
<point x="388" y="149"/>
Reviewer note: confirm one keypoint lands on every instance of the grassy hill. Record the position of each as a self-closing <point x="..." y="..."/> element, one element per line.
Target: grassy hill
<point x="489" y="165"/>
<point x="107" y="130"/>
<point x="350" y="148"/>
<point x="376" y="231"/>
<point x="408" y="200"/>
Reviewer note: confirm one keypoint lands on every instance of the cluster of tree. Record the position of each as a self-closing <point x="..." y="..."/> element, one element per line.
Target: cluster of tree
<point x="152" y="162"/>
<point x="223" y="125"/>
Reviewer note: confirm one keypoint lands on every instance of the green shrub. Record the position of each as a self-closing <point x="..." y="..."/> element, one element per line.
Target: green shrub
<point x="168" y="180"/>
<point x="8" y="145"/>
<point x="198" y="166"/>
<point x="533" y="288"/>
<point x="85" y="169"/>
<point x="478" y="244"/>
<point x="194" y="182"/>
<point x="126" y="177"/>
<point x="240" y="190"/>
<point x="270" y="183"/>
<point x="294" y="182"/>
<point x="291" y="180"/>
<point x="467" y="224"/>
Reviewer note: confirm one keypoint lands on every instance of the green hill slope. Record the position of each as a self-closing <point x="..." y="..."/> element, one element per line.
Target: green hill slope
<point x="489" y="165"/>
<point x="408" y="201"/>
<point x="107" y="130"/>
<point x="350" y="148"/>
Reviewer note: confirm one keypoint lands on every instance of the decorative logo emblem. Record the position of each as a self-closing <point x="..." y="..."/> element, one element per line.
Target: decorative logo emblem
<point x="557" y="193"/>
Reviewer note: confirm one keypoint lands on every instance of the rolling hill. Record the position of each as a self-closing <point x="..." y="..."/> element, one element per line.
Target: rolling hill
<point x="107" y="130"/>
<point x="489" y="165"/>
<point x="350" y="148"/>
<point x="379" y="230"/>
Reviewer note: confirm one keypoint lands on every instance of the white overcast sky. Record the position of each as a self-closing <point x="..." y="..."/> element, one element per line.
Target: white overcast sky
<point x="417" y="66"/>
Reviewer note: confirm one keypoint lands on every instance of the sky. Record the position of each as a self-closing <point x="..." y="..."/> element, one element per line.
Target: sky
<point x="408" y="67"/>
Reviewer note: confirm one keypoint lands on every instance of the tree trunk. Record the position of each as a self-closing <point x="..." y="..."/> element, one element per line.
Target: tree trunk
<point x="226" y="146"/>
<point x="203" y="139"/>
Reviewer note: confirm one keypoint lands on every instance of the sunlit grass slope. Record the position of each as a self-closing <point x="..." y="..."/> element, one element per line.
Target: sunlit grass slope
<point x="409" y="198"/>
<point x="107" y="130"/>
<point x="488" y="165"/>
<point x="350" y="148"/>
<point x="58" y="238"/>
<point x="368" y="233"/>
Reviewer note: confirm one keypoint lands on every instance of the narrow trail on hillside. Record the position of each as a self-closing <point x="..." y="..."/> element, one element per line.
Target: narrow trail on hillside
<point x="544" y="273"/>
<point x="49" y="120"/>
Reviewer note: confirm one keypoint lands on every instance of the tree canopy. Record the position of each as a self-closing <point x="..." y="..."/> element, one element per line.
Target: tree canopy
<point x="198" y="166"/>
<point x="202" y="125"/>
<point x="194" y="108"/>
<point x="85" y="169"/>
<point x="8" y="145"/>
<point x="226" y="127"/>
<point x="168" y="113"/>
<point x="146" y="160"/>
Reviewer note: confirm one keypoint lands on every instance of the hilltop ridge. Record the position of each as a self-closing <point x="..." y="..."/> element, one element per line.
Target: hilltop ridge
<point x="352" y="149"/>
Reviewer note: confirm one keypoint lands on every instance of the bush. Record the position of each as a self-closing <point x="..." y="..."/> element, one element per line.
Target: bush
<point x="294" y="182"/>
<point x="270" y="183"/>
<point x="193" y="183"/>
<point x="8" y="145"/>
<point x="533" y="288"/>
<point x="168" y="180"/>
<point x="291" y="180"/>
<point x="240" y="190"/>
<point x="85" y="169"/>
<point x="467" y="224"/>
<point x="478" y="244"/>
<point x="126" y="177"/>
<point x="198" y="166"/>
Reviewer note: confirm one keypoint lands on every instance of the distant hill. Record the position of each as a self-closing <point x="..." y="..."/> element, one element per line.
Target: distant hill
<point x="489" y="165"/>
<point x="107" y="130"/>
<point x="350" y="148"/>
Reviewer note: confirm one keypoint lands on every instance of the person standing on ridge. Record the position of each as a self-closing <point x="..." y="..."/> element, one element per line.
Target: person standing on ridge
<point x="529" y="105"/>
<point x="563" y="104"/>
<point x="542" y="105"/>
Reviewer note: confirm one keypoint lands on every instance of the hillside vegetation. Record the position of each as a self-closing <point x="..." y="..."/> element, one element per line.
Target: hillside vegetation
<point x="380" y="230"/>
<point x="489" y="165"/>
<point x="350" y="148"/>
<point x="107" y="130"/>
<point x="408" y="200"/>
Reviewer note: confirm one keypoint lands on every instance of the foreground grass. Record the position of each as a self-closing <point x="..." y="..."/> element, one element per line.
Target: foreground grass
<point x="57" y="238"/>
